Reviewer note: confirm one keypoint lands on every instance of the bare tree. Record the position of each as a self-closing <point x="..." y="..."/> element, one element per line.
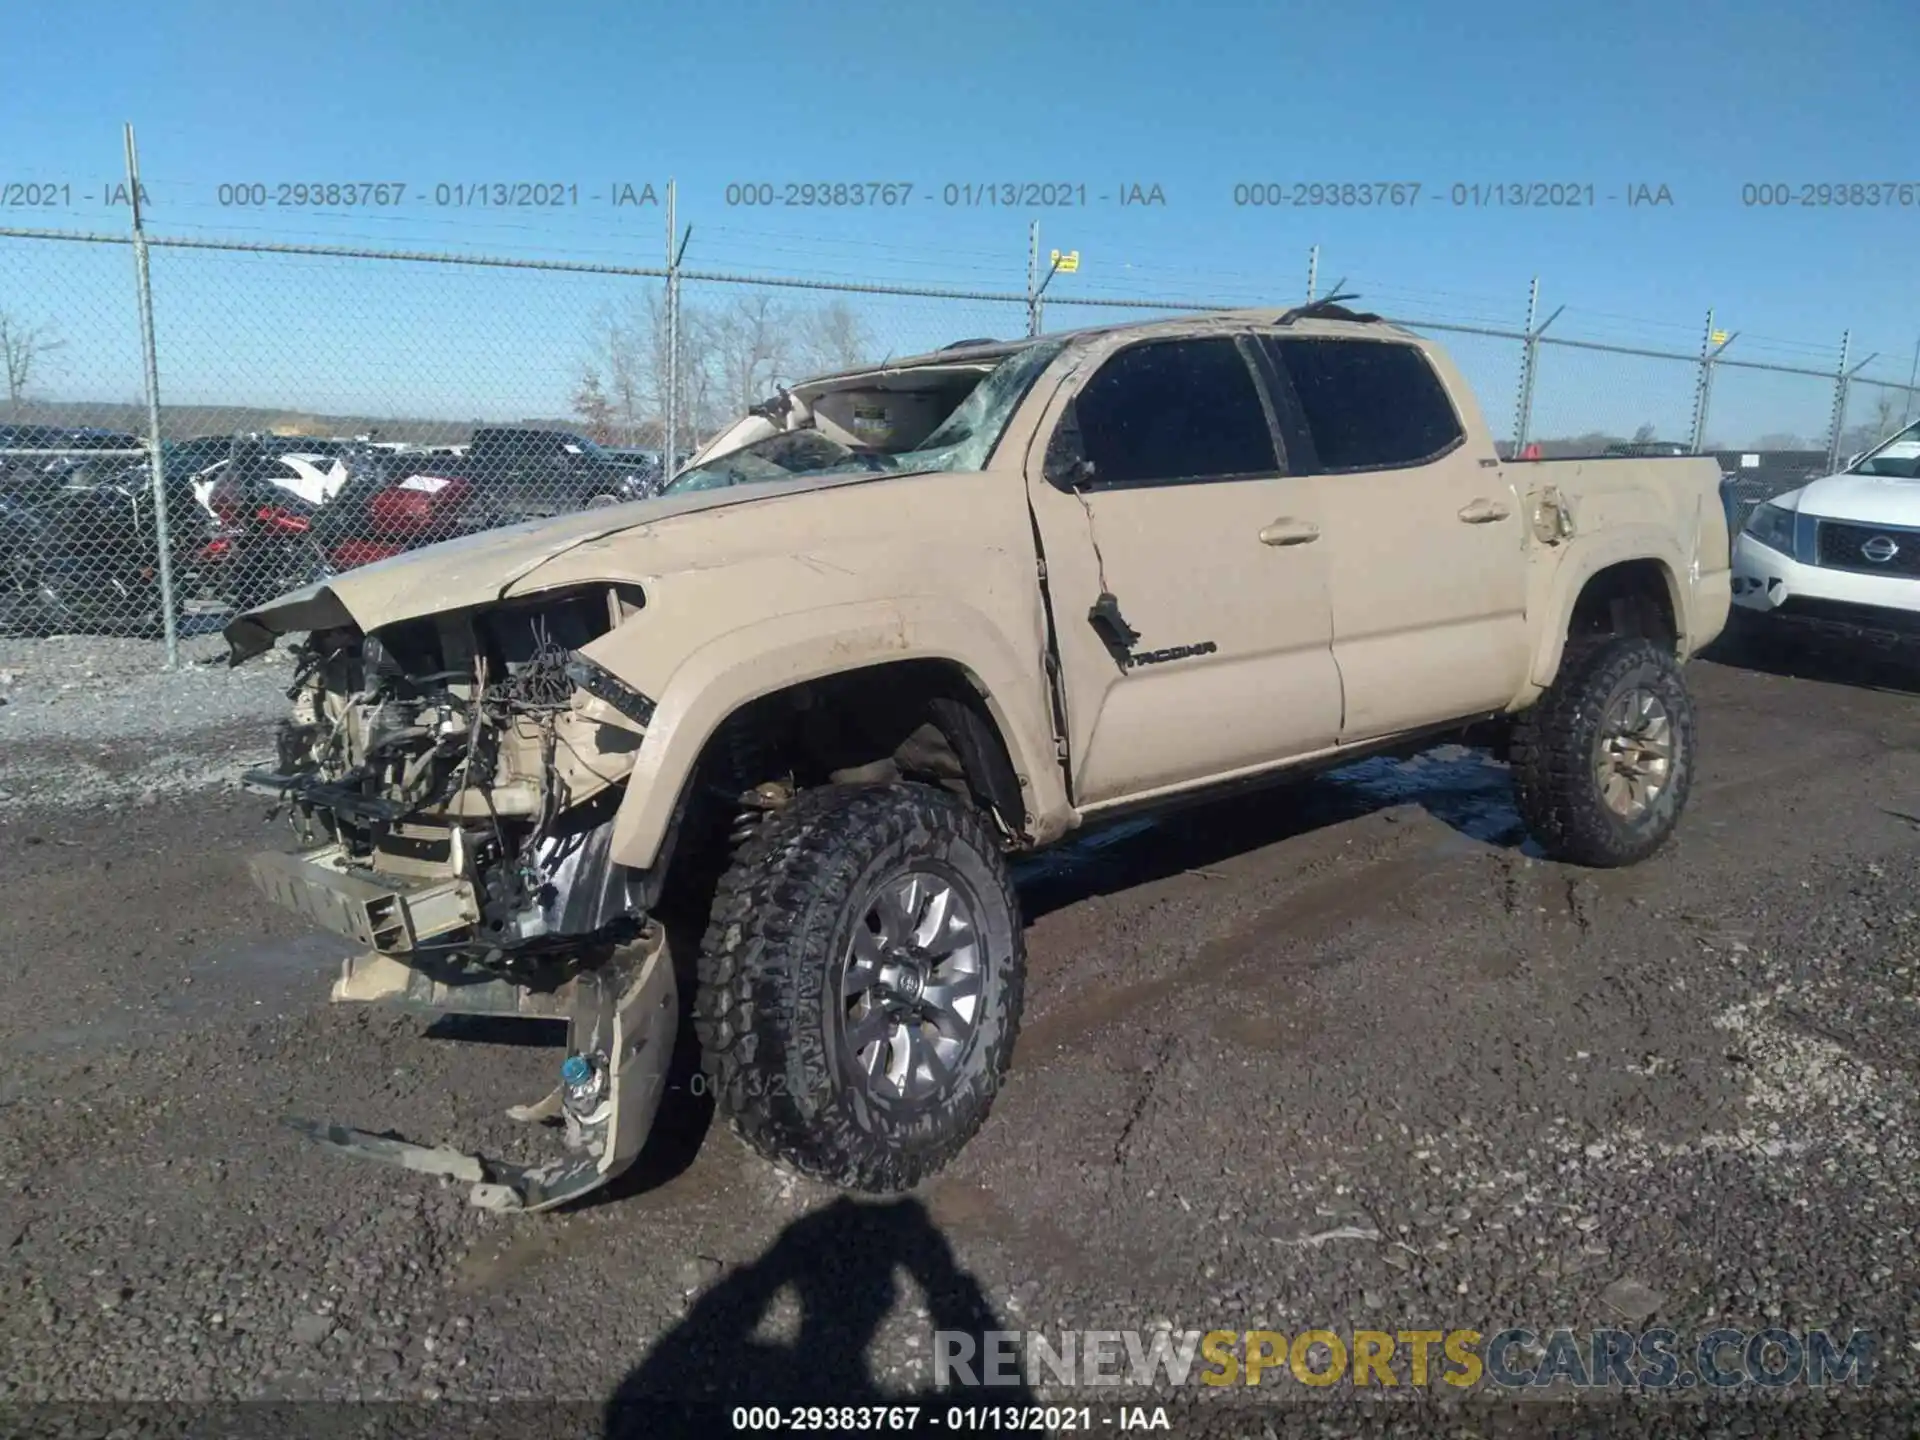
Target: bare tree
<point x="835" y="337"/>
<point x="21" y="346"/>
<point x="694" y="378"/>
<point x="700" y="385"/>
<point x="752" y="349"/>
<point x="624" y="374"/>
<point x="1862" y="436"/>
<point x="591" y="405"/>
<point x="627" y="356"/>
<point x="731" y="356"/>
<point x="1886" y="413"/>
<point x="617" y="360"/>
<point x="1645" y="433"/>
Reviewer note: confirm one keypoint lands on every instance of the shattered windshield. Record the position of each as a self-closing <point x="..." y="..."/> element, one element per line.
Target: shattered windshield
<point x="1897" y="457"/>
<point x="964" y="441"/>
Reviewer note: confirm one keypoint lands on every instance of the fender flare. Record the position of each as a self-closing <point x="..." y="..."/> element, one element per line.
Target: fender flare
<point x="742" y="665"/>
<point x="1620" y="547"/>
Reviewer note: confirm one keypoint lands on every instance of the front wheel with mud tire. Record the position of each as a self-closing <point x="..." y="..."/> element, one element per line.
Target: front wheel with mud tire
<point x="860" y="983"/>
<point x="1603" y="762"/>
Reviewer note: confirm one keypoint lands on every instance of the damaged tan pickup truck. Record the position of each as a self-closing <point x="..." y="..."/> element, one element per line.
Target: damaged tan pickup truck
<point x="898" y="625"/>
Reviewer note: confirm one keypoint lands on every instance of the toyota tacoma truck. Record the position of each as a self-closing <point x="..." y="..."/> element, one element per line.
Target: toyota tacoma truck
<point x="901" y="624"/>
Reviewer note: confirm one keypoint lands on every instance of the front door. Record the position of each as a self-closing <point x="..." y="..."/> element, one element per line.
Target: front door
<point x="1185" y="570"/>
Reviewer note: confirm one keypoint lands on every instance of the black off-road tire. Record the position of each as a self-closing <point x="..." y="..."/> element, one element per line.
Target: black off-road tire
<point x="1555" y="745"/>
<point x="768" y="1009"/>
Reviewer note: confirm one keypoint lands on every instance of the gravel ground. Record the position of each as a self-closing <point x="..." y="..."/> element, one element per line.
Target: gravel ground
<point x="88" y="719"/>
<point x="1345" y="1056"/>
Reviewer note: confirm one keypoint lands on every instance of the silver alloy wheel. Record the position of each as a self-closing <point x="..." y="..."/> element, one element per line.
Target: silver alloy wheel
<point x="910" y="990"/>
<point x="1633" y="758"/>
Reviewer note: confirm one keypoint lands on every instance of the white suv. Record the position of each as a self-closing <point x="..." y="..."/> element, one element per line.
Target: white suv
<point x="1841" y="554"/>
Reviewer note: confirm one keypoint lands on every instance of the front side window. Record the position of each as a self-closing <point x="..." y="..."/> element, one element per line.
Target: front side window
<point x="1174" y="410"/>
<point x="1368" y="404"/>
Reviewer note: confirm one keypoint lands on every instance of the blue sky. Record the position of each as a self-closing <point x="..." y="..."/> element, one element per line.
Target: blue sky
<point x="1699" y="97"/>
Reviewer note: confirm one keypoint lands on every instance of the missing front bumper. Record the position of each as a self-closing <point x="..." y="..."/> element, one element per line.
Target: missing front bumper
<point x="628" y="1012"/>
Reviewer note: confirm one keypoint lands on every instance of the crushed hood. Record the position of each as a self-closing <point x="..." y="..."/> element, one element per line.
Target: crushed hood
<point x="482" y="568"/>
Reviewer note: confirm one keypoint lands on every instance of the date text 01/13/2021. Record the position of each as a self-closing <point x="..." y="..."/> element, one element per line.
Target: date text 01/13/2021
<point x="953" y="1419"/>
<point x="444" y="194"/>
<point x="1461" y="195"/>
<point x="970" y="194"/>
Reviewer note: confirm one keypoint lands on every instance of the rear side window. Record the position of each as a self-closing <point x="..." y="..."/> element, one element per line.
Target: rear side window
<point x="1369" y="405"/>
<point x="1173" y="410"/>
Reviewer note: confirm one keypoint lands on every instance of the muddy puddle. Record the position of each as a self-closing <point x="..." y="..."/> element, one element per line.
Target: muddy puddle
<point x="1460" y="786"/>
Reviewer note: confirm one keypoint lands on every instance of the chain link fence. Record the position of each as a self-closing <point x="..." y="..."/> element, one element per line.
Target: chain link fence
<point x="1586" y="396"/>
<point x="1875" y="405"/>
<point x="313" y="407"/>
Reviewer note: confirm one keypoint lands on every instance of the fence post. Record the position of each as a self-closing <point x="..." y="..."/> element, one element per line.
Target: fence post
<point x="1530" y="367"/>
<point x="1529" y="351"/>
<point x="670" y="409"/>
<point x="1313" y="271"/>
<point x="1703" y="387"/>
<point x="1913" y="374"/>
<point x="1839" y="402"/>
<point x="1033" y="277"/>
<point x="1703" y="393"/>
<point x="156" y="461"/>
<point x="1529" y="358"/>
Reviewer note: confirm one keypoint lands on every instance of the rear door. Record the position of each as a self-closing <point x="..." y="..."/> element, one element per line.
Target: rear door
<point x="1425" y="547"/>
<point x="1185" y="572"/>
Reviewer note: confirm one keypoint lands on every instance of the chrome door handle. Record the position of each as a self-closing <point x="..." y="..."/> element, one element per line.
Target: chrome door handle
<point x="1484" y="512"/>
<point x="1288" y="531"/>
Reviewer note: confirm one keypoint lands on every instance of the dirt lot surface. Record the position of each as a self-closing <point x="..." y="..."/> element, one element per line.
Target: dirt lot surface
<point x="1341" y="1056"/>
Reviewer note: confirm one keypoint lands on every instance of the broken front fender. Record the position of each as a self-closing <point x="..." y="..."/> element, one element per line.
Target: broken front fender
<point x="697" y="688"/>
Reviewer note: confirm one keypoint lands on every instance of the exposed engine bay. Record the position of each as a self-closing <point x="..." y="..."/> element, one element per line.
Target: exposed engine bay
<point x="467" y="751"/>
<point x="456" y="777"/>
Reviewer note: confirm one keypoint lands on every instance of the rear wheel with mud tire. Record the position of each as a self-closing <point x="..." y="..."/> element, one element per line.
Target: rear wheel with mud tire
<point x="1603" y="762"/>
<point x="861" y="982"/>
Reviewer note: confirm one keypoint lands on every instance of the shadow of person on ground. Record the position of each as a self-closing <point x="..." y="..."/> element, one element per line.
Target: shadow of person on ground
<point x="843" y="1264"/>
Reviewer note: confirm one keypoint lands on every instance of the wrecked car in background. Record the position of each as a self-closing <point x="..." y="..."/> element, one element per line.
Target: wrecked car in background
<point x="901" y="623"/>
<point x="523" y="474"/>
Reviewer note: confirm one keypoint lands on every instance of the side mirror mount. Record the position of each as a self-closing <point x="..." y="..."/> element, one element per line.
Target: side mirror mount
<point x="1067" y="465"/>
